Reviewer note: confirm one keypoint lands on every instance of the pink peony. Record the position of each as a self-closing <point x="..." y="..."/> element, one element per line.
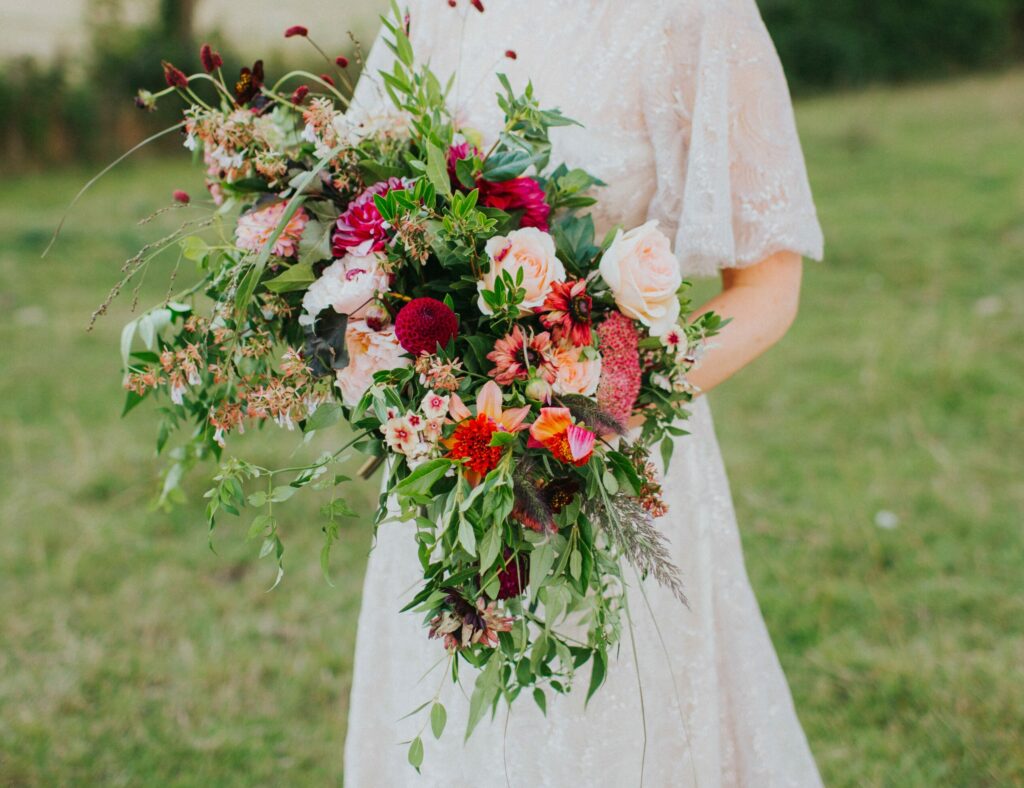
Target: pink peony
<point x="361" y="229"/>
<point x="618" y="342"/>
<point x="255" y="228"/>
<point x="368" y="352"/>
<point x="349" y="285"/>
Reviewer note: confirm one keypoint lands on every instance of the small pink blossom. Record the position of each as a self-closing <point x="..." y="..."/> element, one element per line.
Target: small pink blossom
<point x="434" y="405"/>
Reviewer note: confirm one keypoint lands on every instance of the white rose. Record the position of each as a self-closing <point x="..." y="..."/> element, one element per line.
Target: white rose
<point x="528" y="250"/>
<point x="644" y="275"/>
<point x="348" y="285"/>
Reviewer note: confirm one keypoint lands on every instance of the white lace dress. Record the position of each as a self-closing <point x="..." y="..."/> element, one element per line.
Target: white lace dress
<point x="688" y="120"/>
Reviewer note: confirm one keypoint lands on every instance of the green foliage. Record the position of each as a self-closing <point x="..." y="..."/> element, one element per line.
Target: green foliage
<point x="852" y="42"/>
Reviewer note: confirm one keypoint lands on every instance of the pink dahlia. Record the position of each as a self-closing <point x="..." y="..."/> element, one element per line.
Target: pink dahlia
<point x="517" y="353"/>
<point x="518" y="194"/>
<point x="255" y="228"/>
<point x="361" y="229"/>
<point x="425" y="323"/>
<point x="567" y="311"/>
<point x="618" y="343"/>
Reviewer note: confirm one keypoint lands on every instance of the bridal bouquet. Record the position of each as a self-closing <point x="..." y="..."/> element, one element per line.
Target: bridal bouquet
<point x="445" y="305"/>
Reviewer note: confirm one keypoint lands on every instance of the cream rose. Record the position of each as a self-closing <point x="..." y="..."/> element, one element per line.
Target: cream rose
<point x="369" y="351"/>
<point x="347" y="285"/>
<point x="528" y="250"/>
<point x="576" y="374"/>
<point x="644" y="275"/>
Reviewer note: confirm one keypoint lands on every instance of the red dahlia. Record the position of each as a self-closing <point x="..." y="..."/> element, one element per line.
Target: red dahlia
<point x="425" y="323"/>
<point x="471" y="442"/>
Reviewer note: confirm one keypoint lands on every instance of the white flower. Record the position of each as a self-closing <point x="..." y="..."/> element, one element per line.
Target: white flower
<point x="349" y="285"/>
<point x="434" y="405"/>
<point x="432" y="429"/>
<point x="644" y="276"/>
<point x="400" y="435"/>
<point x="674" y="338"/>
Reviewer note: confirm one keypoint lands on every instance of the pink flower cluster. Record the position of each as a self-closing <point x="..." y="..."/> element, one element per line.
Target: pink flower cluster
<point x="619" y="387"/>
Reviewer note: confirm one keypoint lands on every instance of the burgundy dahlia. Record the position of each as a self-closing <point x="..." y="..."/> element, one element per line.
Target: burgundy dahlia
<point x="361" y="229"/>
<point x="514" y="576"/>
<point x="518" y="194"/>
<point x="425" y="323"/>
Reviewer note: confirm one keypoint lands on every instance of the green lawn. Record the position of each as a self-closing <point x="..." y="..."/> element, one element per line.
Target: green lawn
<point x="132" y="655"/>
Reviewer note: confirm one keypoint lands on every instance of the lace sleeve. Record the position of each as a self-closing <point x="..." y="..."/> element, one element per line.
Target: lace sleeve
<point x="731" y="183"/>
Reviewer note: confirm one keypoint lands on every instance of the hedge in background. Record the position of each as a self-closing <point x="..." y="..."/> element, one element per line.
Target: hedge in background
<point x="829" y="43"/>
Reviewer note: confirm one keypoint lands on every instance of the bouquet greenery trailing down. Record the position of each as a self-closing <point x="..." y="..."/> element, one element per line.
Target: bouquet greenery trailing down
<point x="373" y="269"/>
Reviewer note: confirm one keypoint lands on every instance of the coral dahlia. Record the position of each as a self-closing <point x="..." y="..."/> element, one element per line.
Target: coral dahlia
<point x="517" y="353"/>
<point x="425" y="323"/>
<point x="471" y="442"/>
<point x="568" y="311"/>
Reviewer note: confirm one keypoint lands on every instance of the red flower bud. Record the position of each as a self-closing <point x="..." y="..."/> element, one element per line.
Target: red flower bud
<point x="300" y="93"/>
<point x="479" y="6"/>
<point x="327" y="78"/>
<point x="452" y="3"/>
<point x="342" y="61"/>
<point x="511" y="54"/>
<point x="296" y="30"/>
<point x="211" y="60"/>
<point x="181" y="196"/>
<point x="175" y="77"/>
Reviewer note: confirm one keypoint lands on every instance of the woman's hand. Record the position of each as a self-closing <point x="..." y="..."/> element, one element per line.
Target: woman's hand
<point x="763" y="300"/>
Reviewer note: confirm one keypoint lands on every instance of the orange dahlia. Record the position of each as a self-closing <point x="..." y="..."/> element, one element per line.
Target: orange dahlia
<point x="471" y="440"/>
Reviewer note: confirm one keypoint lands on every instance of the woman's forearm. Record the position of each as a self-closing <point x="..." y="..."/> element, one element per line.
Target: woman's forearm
<point x="762" y="301"/>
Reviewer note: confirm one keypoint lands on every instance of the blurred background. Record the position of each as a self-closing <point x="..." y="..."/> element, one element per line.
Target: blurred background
<point x="875" y="455"/>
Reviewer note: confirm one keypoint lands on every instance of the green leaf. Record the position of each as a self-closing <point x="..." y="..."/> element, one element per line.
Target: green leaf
<point x="283" y="493"/>
<point x="324" y="416"/>
<point x="541" y="700"/>
<point x="416" y="752"/>
<point x="467" y="536"/>
<point x="296" y="277"/>
<point x="541" y="560"/>
<point x="437" y="170"/>
<point x="257" y="499"/>
<point x="597" y="673"/>
<point x="490" y="546"/>
<point x="505" y="165"/>
<point x="438" y="719"/>
<point x="576" y="564"/>
<point x="423" y="478"/>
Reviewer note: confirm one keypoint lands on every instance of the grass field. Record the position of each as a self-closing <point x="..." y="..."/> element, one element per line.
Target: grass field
<point x="875" y="456"/>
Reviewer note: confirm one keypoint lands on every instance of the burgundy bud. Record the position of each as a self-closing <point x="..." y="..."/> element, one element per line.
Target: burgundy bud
<point x="342" y="61"/>
<point x="511" y="54"/>
<point x="327" y="78"/>
<point x="452" y="3"/>
<point x="181" y="196"/>
<point x="300" y="93"/>
<point x="478" y="5"/>
<point x="175" y="76"/>
<point x="211" y="60"/>
<point x="296" y="30"/>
